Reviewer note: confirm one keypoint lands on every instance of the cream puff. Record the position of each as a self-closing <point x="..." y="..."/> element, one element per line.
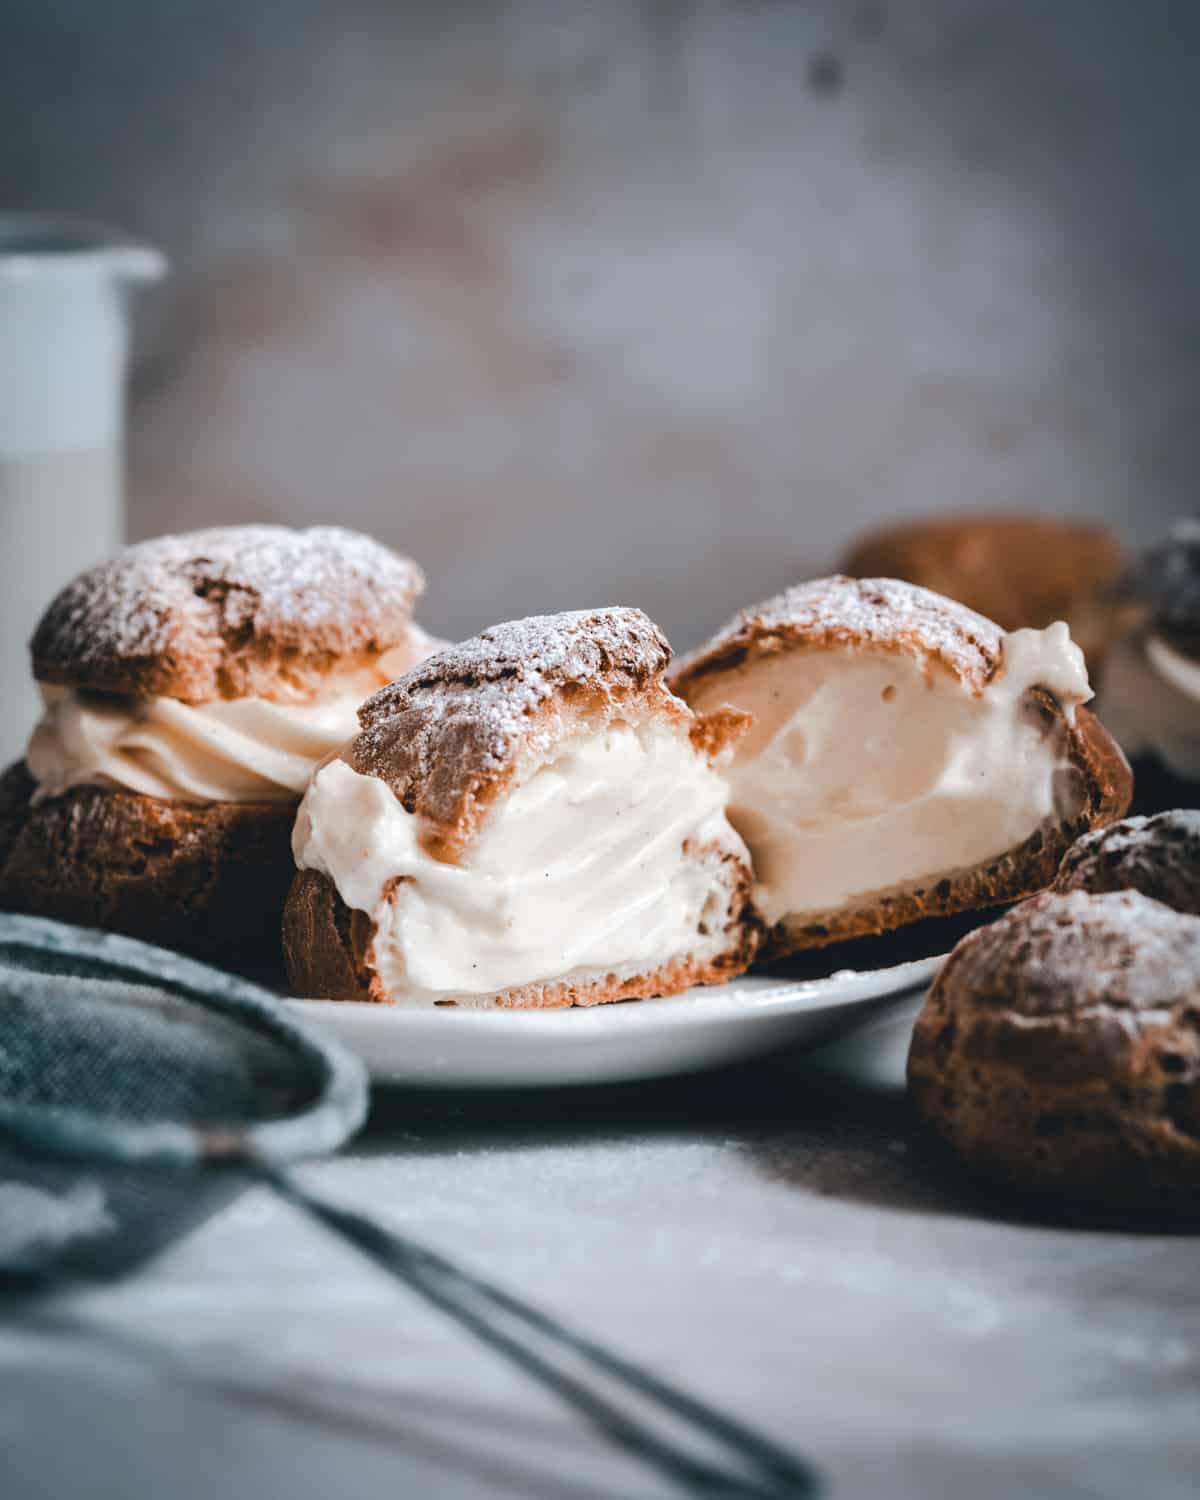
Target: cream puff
<point x="191" y="684"/>
<point x="907" y="759"/>
<point x="527" y="819"/>
<point x="1159" y="856"/>
<point x="1059" y="1052"/>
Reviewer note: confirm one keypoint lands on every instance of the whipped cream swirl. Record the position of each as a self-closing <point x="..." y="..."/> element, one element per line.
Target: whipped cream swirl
<point x="228" y="750"/>
<point x="244" y="750"/>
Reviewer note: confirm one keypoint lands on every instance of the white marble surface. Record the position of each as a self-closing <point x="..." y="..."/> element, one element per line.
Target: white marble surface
<point x="778" y="1239"/>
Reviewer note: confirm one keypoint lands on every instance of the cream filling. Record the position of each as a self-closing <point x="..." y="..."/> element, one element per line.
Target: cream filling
<point x="581" y="868"/>
<point x="1150" y="700"/>
<point x="865" y="771"/>
<point x="235" y="750"/>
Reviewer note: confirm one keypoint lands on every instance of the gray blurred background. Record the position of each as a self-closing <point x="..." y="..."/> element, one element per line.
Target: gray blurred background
<point x="635" y="302"/>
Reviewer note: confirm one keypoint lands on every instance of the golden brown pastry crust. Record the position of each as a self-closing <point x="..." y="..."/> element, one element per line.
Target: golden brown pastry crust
<point x="1059" y="1052"/>
<point x="882" y="614"/>
<point x="1017" y="570"/>
<point x="209" y="880"/>
<point x="1159" y="856"/>
<point x="327" y="949"/>
<point x="233" y="612"/>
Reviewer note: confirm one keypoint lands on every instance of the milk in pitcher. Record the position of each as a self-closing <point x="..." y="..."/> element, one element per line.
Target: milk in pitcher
<point x="63" y="351"/>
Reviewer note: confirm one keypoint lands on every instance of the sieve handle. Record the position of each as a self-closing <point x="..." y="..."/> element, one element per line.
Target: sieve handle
<point x="506" y="1324"/>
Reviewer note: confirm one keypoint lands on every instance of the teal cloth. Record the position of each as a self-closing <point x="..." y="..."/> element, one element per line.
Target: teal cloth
<point x="116" y="1057"/>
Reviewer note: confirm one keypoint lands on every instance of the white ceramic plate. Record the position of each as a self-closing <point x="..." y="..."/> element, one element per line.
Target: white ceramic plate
<point x="610" y="1043"/>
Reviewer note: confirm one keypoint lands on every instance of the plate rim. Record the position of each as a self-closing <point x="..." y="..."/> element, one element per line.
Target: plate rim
<point x="706" y="1027"/>
<point x="708" y="1003"/>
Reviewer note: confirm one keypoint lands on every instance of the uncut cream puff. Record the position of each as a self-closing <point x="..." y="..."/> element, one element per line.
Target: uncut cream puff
<point x="1158" y="856"/>
<point x="907" y="759"/>
<point x="1058" y="1052"/>
<point x="191" y="684"/>
<point x="529" y="818"/>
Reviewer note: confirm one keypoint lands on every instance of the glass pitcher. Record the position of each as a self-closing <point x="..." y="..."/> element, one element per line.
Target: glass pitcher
<point x="64" y="339"/>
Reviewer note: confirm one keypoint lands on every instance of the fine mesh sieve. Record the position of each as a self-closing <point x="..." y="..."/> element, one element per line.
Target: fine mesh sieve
<point x="119" y="1058"/>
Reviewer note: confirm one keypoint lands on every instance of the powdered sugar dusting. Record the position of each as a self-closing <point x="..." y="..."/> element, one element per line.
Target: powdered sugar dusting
<point x="1159" y="856"/>
<point x="1066" y="953"/>
<point x="873" y="612"/>
<point x="196" y="597"/>
<point x="878" y="609"/>
<point x="457" y="722"/>
<point x="510" y="669"/>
